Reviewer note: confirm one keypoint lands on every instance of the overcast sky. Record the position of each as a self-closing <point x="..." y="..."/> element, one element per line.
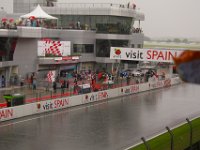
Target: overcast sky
<point x="171" y="18"/>
<point x="163" y="18"/>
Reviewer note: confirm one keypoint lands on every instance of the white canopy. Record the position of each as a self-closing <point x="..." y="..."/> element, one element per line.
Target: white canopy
<point x="39" y="13"/>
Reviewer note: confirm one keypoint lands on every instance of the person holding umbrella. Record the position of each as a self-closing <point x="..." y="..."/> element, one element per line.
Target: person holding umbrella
<point x="4" y="22"/>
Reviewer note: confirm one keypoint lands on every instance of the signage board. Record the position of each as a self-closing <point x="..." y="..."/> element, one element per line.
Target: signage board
<point x="157" y="55"/>
<point x="54" y="48"/>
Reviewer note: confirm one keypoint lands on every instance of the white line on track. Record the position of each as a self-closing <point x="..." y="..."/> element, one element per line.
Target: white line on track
<point x="52" y="113"/>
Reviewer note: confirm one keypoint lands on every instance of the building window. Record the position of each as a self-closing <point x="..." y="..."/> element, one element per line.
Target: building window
<point x="114" y="25"/>
<point x="103" y="46"/>
<point x="83" y="48"/>
<point x="7" y="48"/>
<point x="102" y="24"/>
<point x="140" y="45"/>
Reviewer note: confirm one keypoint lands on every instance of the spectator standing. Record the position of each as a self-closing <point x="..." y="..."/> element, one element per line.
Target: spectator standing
<point x="3" y="81"/>
<point x="34" y="82"/>
<point x="78" y="25"/>
<point x="0" y="82"/>
<point x="75" y="81"/>
<point x="31" y="80"/>
<point x="67" y="84"/>
<point x="54" y="86"/>
<point x="63" y="86"/>
<point x="128" y="80"/>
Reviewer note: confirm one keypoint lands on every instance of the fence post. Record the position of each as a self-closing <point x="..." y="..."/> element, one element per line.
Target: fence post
<point x="145" y="143"/>
<point x="37" y="96"/>
<point x="40" y="96"/>
<point x="172" y="137"/>
<point x="191" y="131"/>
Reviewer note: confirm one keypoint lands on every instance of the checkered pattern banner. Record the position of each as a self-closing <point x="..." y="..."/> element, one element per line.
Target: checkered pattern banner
<point x="51" y="48"/>
<point x="51" y="75"/>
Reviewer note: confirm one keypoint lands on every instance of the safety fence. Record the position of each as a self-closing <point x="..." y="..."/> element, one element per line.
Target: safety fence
<point x="184" y="137"/>
<point x="45" y="90"/>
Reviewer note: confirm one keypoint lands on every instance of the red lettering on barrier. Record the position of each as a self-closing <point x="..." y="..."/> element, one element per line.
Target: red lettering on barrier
<point x="160" y="84"/>
<point x="8" y="113"/>
<point x="61" y="103"/>
<point x="102" y="95"/>
<point x="54" y="104"/>
<point x="134" y="89"/>
<point x="167" y="83"/>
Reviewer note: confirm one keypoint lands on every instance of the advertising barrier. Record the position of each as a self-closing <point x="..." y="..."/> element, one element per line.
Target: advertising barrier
<point x="65" y="102"/>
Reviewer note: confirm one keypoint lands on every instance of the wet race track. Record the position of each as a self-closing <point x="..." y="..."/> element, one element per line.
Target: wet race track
<point x="110" y="125"/>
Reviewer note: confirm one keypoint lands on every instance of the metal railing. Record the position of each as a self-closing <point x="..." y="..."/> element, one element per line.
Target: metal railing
<point x="44" y="90"/>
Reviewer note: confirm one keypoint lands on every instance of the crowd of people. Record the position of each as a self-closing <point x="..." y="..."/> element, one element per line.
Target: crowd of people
<point x="29" y="22"/>
<point x="98" y="80"/>
<point x="8" y="24"/>
<point x="129" y="5"/>
<point x="137" y="30"/>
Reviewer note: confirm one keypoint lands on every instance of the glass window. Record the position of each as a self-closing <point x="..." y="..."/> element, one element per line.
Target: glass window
<point x="7" y="48"/>
<point x="83" y="48"/>
<point x="102" y="24"/>
<point x="140" y="45"/>
<point x="114" y="25"/>
<point x="103" y="46"/>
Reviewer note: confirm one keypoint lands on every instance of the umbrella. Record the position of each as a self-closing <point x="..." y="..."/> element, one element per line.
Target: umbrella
<point x="32" y="17"/>
<point x="4" y="19"/>
<point x="11" y="20"/>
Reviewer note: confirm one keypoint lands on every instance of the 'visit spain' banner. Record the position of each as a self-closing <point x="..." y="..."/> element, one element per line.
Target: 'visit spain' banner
<point x="135" y="54"/>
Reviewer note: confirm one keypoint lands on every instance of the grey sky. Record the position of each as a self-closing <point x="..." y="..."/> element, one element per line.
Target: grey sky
<point x="171" y="18"/>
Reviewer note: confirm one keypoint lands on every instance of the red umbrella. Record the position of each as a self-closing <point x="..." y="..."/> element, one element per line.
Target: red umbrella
<point x="4" y="19"/>
<point x="32" y="17"/>
<point x="11" y="20"/>
<point x="100" y="75"/>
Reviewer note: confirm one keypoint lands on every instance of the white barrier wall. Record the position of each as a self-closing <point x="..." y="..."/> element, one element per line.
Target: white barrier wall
<point x="64" y="102"/>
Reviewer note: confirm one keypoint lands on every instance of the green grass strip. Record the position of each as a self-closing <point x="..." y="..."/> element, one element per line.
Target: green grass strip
<point x="181" y="138"/>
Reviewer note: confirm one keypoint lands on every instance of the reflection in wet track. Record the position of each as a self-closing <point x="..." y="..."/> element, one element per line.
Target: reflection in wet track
<point x="111" y="125"/>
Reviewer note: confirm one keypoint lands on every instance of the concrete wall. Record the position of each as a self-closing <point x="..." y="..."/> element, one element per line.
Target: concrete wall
<point x="25" y="55"/>
<point x="78" y="36"/>
<point x="94" y="9"/>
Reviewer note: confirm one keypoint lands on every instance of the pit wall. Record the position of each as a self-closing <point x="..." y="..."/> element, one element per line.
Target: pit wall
<point x="65" y="102"/>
